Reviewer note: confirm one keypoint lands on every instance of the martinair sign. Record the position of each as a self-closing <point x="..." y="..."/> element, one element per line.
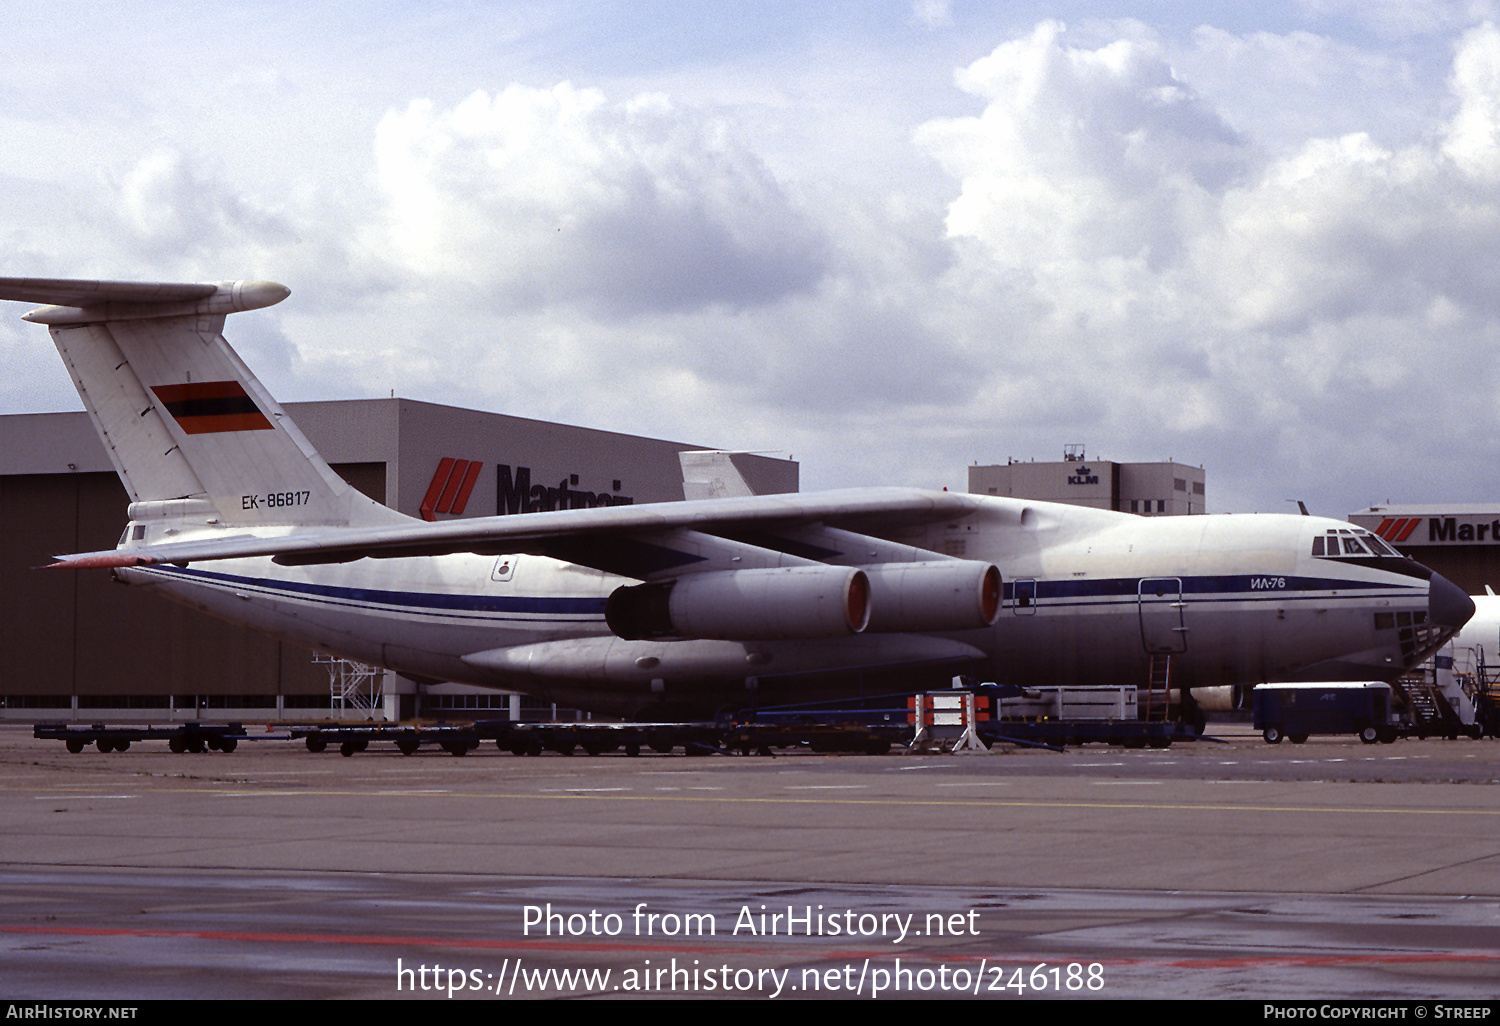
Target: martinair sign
<point x="454" y="479"/>
<point x="1467" y="529"/>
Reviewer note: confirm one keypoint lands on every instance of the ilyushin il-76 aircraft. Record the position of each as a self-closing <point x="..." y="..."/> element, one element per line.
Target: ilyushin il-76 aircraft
<point x="687" y="608"/>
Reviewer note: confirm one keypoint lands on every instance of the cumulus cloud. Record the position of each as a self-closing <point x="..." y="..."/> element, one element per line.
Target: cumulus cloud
<point x="1081" y="154"/>
<point x="539" y="196"/>
<point x="1207" y="297"/>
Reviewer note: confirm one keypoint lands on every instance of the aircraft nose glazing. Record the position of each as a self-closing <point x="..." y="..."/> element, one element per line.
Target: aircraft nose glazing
<point x="1447" y="605"/>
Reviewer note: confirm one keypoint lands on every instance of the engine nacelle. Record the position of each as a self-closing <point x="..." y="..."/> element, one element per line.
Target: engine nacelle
<point x="745" y="605"/>
<point x="948" y="595"/>
<point x="1222" y="698"/>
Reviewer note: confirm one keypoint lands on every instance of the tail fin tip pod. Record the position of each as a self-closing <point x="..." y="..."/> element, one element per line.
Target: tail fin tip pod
<point x="180" y="414"/>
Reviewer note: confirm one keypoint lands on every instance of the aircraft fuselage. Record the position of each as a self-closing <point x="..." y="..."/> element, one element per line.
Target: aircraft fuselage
<point x="1089" y="597"/>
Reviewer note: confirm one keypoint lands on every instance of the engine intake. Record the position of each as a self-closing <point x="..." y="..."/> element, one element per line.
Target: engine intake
<point x="745" y="605"/>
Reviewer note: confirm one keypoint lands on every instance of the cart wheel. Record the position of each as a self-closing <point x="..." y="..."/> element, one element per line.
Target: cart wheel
<point x="1369" y="735"/>
<point x="1272" y="735"/>
<point x="1297" y="739"/>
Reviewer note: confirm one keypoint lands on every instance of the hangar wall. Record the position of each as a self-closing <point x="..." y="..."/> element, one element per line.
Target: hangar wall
<point x="78" y="641"/>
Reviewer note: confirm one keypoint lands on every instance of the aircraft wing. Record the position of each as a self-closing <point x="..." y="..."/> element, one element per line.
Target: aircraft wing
<point x="643" y="541"/>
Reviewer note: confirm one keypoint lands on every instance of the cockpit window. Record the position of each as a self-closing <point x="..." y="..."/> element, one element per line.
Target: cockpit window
<point x="1344" y="542"/>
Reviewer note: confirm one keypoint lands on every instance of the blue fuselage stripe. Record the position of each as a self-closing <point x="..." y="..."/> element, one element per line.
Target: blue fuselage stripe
<point x="1073" y="594"/>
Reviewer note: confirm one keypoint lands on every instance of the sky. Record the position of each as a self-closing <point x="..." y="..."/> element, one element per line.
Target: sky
<point x="889" y="240"/>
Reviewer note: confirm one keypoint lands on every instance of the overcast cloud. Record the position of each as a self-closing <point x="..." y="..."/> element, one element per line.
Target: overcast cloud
<point x="891" y="240"/>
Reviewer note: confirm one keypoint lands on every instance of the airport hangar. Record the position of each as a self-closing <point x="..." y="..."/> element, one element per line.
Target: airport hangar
<point x="75" y="645"/>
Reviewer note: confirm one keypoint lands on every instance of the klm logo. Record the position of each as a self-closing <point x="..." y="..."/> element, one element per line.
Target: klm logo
<point x="1085" y="476"/>
<point x="516" y="494"/>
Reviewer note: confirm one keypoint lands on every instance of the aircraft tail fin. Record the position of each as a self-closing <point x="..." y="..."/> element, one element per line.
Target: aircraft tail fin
<point x="711" y="474"/>
<point x="189" y="429"/>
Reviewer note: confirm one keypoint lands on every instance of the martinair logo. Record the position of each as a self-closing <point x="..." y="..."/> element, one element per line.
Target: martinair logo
<point x="451" y="485"/>
<point x="1397" y="529"/>
<point x="1440" y="530"/>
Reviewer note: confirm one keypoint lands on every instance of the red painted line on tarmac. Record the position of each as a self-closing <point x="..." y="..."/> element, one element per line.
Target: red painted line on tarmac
<point x="801" y="948"/>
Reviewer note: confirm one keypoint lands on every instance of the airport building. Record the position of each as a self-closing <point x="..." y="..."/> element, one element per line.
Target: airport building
<point x="1461" y="542"/>
<point x="1149" y="489"/>
<point x="74" y="644"/>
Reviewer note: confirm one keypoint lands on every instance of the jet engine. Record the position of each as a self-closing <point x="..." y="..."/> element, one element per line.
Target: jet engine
<point x="949" y="595"/>
<point x="745" y="605"/>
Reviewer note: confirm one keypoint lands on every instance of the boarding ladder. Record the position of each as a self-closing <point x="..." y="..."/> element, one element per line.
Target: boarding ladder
<point x="1158" y="684"/>
<point x="1429" y="711"/>
<point x="1483" y="686"/>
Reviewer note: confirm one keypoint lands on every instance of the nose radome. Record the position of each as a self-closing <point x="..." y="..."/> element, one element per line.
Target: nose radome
<point x="1447" y="605"/>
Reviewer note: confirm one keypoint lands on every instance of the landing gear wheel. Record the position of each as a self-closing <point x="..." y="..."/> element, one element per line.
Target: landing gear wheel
<point x="1272" y="735"/>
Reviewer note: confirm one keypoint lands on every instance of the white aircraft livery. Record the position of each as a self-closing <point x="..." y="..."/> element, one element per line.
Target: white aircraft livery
<point x="687" y="608"/>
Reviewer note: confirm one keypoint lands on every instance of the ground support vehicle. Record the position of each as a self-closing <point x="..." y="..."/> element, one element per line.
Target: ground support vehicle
<point x="1296" y="711"/>
<point x="184" y="737"/>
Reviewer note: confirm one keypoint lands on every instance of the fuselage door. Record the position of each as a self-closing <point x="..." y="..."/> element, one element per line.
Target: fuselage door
<point x="1023" y="596"/>
<point x="1163" y="631"/>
